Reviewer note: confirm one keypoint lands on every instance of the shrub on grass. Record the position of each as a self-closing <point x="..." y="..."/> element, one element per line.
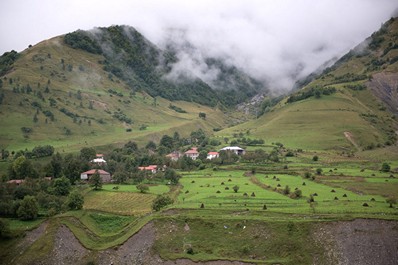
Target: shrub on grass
<point x="345" y="195"/>
<point x="319" y="171"/>
<point x="332" y="191"/>
<point x="372" y="200"/>
<point x="218" y="191"/>
<point x="245" y="194"/>
<point x="385" y="167"/>
<point x="311" y="199"/>
<point x="365" y="204"/>
<point x="297" y="194"/>
<point x="202" y="206"/>
<point x="286" y="190"/>
<point x="253" y="195"/>
<point x="391" y="200"/>
<point x="190" y="251"/>
<point x="307" y="175"/>
<point x="226" y="188"/>
<point x="315" y="158"/>
<point x="161" y="201"/>
<point x="336" y="199"/>
<point x="264" y="207"/>
<point x="315" y="194"/>
<point x="142" y="188"/>
<point x="235" y="188"/>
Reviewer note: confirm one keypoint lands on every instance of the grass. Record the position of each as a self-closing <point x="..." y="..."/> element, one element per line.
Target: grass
<point x="122" y="203"/>
<point x="153" y="188"/>
<point x="245" y="240"/>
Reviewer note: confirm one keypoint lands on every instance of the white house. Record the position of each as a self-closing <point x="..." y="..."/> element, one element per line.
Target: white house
<point x="193" y="153"/>
<point x="212" y="155"/>
<point x="236" y="149"/>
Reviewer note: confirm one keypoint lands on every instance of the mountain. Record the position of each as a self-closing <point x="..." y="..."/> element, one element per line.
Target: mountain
<point x="106" y="86"/>
<point x="349" y="106"/>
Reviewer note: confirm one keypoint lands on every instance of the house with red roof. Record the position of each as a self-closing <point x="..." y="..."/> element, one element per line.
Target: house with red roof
<point x="192" y="153"/>
<point x="174" y="156"/>
<point x="105" y="176"/>
<point x="152" y="168"/>
<point x="212" y="155"/>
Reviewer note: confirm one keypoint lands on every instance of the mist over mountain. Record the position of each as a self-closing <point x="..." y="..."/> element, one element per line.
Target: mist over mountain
<point x="176" y="73"/>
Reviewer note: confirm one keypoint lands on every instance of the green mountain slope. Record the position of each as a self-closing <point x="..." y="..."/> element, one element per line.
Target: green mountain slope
<point x="350" y="106"/>
<point x="54" y="94"/>
<point x="106" y="86"/>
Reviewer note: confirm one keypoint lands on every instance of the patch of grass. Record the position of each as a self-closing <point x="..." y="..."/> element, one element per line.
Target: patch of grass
<point x="244" y="240"/>
<point x="122" y="203"/>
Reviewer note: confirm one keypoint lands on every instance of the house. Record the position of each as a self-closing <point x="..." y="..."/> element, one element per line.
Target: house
<point x="99" y="159"/>
<point x="193" y="153"/>
<point x="236" y="149"/>
<point x="16" y="181"/>
<point x="105" y="176"/>
<point x="152" y="168"/>
<point x="174" y="156"/>
<point x="212" y="155"/>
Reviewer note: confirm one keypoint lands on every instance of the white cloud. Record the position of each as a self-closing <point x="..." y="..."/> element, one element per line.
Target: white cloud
<point x="270" y="39"/>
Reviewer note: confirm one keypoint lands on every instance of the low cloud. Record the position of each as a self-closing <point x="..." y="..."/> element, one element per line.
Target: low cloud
<point x="277" y="41"/>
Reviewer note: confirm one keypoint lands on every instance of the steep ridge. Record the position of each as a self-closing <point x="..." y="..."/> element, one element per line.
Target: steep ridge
<point x="356" y="96"/>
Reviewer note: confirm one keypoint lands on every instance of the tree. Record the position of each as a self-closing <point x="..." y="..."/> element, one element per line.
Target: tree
<point x="385" y="167"/>
<point x="72" y="167"/>
<point x="286" y="190"/>
<point x="28" y="208"/>
<point x="151" y="145"/>
<point x="4" y="229"/>
<point x="202" y="115"/>
<point x="161" y="201"/>
<point x="235" y="188"/>
<point x="171" y="174"/>
<point x="56" y="165"/>
<point x="75" y="200"/>
<point x="62" y="186"/>
<point x="95" y="181"/>
<point x="22" y="168"/>
<point x="142" y="188"/>
<point x="166" y="141"/>
<point x="391" y="200"/>
<point x="87" y="153"/>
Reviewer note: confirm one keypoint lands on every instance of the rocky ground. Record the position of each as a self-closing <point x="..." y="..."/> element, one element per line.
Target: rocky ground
<point x="360" y="242"/>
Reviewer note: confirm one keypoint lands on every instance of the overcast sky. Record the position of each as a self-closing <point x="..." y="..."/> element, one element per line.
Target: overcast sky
<point x="274" y="40"/>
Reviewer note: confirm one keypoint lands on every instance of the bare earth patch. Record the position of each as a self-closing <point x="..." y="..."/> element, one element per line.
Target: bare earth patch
<point x="359" y="242"/>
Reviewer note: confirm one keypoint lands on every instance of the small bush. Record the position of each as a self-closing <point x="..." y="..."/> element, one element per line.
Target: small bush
<point x="226" y="188"/>
<point x="264" y="207"/>
<point x="253" y="195"/>
<point x="365" y="205"/>
<point x="345" y="195"/>
<point x="245" y="194"/>
<point x="190" y="251"/>
<point x="218" y="191"/>
<point x="202" y="206"/>
<point x="336" y="199"/>
<point x="304" y="184"/>
<point x="332" y="191"/>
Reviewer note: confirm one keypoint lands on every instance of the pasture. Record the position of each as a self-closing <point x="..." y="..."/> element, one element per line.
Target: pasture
<point x="126" y="200"/>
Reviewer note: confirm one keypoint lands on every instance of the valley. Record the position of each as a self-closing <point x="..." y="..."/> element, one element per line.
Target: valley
<point x="315" y="180"/>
